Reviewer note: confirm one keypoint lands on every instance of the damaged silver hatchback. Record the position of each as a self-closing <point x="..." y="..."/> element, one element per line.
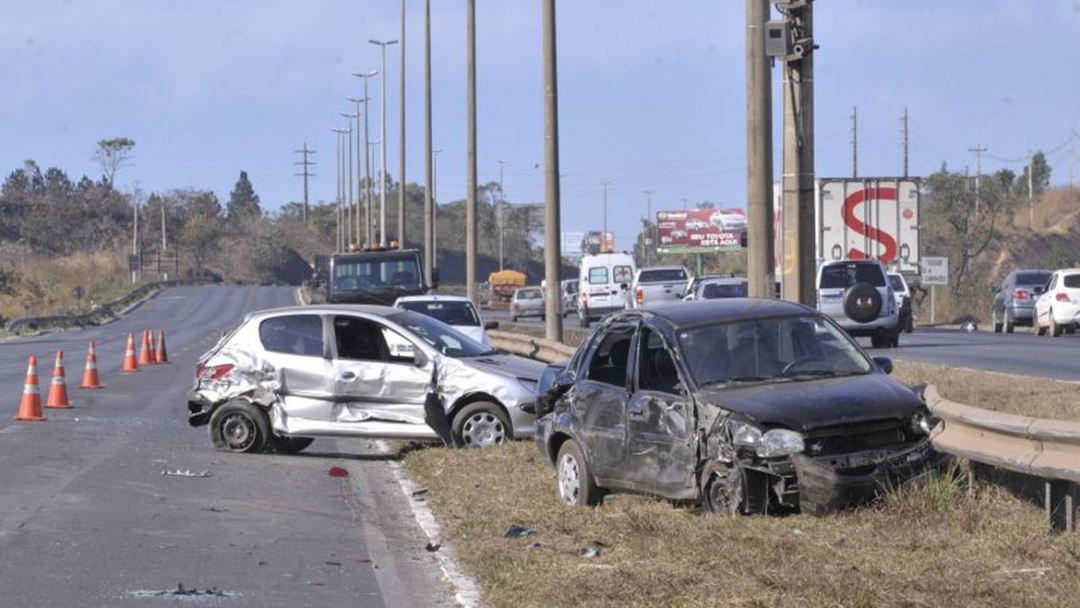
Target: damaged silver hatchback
<point x="288" y="375"/>
<point x="746" y="405"/>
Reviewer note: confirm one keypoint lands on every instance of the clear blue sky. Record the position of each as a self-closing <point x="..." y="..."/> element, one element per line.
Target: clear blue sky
<point x="651" y="92"/>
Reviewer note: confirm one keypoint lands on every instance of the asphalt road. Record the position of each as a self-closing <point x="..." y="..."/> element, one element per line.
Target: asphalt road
<point x="119" y="502"/>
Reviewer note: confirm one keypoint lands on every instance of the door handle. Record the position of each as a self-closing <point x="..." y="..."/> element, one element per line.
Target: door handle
<point x="347" y="375"/>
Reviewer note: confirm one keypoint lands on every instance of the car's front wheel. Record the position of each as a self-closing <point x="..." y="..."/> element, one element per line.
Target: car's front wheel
<point x="239" y="426"/>
<point x="1055" y="329"/>
<point x="997" y="323"/>
<point x="724" y="490"/>
<point x="576" y="484"/>
<point x="480" y="424"/>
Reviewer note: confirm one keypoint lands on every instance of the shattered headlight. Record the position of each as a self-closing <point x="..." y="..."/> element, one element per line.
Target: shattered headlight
<point x="923" y="422"/>
<point x="768" y="444"/>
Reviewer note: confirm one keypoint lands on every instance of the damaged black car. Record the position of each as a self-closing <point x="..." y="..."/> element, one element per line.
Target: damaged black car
<point x="746" y="405"/>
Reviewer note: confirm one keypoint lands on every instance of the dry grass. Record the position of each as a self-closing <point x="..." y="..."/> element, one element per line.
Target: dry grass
<point x="44" y="286"/>
<point x="936" y="545"/>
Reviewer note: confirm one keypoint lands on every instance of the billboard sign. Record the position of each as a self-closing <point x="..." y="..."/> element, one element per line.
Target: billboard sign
<point x="591" y="243"/>
<point x="869" y="218"/>
<point x="699" y="230"/>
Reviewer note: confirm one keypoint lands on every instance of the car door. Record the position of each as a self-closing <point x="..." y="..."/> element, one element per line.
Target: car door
<point x="375" y="373"/>
<point x="1043" y="303"/>
<point x="661" y="455"/>
<point x="599" y="400"/>
<point x="294" y="353"/>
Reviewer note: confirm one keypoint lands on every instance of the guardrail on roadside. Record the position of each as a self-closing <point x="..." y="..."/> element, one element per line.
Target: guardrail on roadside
<point x="1047" y="449"/>
<point x="545" y="350"/>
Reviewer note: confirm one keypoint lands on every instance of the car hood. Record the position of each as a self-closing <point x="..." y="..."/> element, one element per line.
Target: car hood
<point x="507" y="365"/>
<point x="805" y="406"/>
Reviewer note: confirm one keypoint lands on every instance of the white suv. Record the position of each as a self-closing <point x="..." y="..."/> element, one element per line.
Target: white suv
<point x="857" y="295"/>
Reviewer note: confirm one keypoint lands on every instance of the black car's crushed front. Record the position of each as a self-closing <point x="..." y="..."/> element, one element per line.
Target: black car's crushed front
<point x="748" y="405"/>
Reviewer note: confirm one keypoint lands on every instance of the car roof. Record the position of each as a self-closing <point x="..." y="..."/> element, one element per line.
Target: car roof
<point x="328" y="309"/>
<point x="699" y="312"/>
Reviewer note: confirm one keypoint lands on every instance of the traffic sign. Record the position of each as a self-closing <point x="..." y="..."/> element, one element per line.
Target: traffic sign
<point x="935" y="271"/>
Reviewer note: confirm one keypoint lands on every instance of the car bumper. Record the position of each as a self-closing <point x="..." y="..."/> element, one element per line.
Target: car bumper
<point x="824" y="488"/>
<point x="1066" y="313"/>
<point x="199" y="408"/>
<point x="1022" y="314"/>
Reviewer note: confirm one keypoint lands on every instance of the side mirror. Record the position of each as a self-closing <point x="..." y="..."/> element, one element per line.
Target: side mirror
<point x="491" y="325"/>
<point x="884" y="364"/>
<point x="1039" y="290"/>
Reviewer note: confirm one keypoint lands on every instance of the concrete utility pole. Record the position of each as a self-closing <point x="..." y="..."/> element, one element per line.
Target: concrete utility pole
<point x="552" y="227"/>
<point x="1031" y="192"/>
<point x="603" y="234"/>
<point x="361" y="234"/>
<point x="340" y="189"/>
<point x="470" y="154"/>
<point x="798" y="215"/>
<point x="650" y="236"/>
<point x="499" y="211"/>
<point x="429" y="171"/>
<point x="435" y="208"/>
<point x="978" y="150"/>
<point x="305" y="163"/>
<point x="382" y="138"/>
<point x="401" y="150"/>
<point x="759" y="176"/>
<point x="369" y="234"/>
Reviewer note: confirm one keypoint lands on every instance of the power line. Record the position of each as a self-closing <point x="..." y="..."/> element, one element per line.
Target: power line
<point x="305" y="163"/>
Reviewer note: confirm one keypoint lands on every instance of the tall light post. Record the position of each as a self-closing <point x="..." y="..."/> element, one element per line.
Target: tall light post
<point x="603" y="235"/>
<point x="429" y="208"/>
<point x="369" y="235"/>
<point x="382" y="138"/>
<point x="361" y="237"/>
<point x="499" y="211"/>
<point x="340" y="189"/>
<point x="347" y="193"/>
<point x="648" y="228"/>
<point x="401" y="144"/>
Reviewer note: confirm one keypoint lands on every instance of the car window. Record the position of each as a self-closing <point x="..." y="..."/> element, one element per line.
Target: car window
<point x="293" y="335"/>
<point x="712" y="291"/>
<point x="439" y="335"/>
<point x="897" y="282"/>
<point x="454" y="312"/>
<point x="359" y="339"/>
<point x="609" y="360"/>
<point x="1032" y="278"/>
<point x="656" y="366"/>
<point x="598" y="275"/>
<point x="842" y="276"/>
<point x="662" y="274"/>
<point x="1071" y="280"/>
<point x="622" y="274"/>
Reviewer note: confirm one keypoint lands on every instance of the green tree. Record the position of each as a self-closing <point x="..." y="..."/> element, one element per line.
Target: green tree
<point x="112" y="155"/>
<point x="243" y="202"/>
<point x="1040" y="177"/>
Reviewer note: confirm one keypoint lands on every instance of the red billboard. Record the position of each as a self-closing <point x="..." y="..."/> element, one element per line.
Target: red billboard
<point x="714" y="229"/>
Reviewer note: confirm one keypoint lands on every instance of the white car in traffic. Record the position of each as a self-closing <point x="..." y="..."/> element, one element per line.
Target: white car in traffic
<point x="1057" y="309"/>
<point x="458" y="311"/>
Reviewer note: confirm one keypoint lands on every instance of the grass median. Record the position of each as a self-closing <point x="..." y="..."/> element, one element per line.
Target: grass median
<point x="932" y="546"/>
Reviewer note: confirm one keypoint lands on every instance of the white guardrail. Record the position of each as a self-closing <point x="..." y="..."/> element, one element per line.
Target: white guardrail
<point x="1039" y="447"/>
<point x="1042" y="448"/>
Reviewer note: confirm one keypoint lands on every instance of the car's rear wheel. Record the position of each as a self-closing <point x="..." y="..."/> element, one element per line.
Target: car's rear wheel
<point x="480" y="424"/>
<point x="997" y="323"/>
<point x="290" y="445"/>
<point x="239" y="426"/>
<point x="576" y="484"/>
<point x="1010" y="324"/>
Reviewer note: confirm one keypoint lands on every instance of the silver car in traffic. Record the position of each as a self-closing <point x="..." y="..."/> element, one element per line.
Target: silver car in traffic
<point x="288" y="375"/>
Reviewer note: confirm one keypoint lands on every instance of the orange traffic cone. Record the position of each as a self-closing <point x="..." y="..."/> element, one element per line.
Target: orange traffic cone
<point x="30" y="406"/>
<point x="160" y="355"/>
<point x="144" y="351"/>
<point x="152" y="346"/>
<point x="90" y="374"/>
<point x="130" y="364"/>
<point x="58" y="396"/>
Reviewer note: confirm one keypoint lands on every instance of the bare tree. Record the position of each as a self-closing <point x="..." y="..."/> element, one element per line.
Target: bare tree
<point x="113" y="154"/>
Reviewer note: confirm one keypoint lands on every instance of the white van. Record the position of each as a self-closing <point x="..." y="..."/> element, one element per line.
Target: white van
<point x="604" y="285"/>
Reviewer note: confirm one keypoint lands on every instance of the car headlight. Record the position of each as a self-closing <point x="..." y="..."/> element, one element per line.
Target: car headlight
<point x="924" y="422"/>
<point x="768" y="444"/>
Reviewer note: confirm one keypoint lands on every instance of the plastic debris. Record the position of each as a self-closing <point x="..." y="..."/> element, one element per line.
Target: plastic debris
<point x="186" y="473"/>
<point x="516" y="531"/>
<point x="338" y="472"/>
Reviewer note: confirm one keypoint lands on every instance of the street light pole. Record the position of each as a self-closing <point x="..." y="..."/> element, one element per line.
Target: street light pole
<point x="361" y="237"/>
<point x="340" y="190"/>
<point x="348" y="192"/>
<point x="382" y="138"/>
<point x="435" y="207"/>
<point x="401" y="145"/>
<point x="429" y="208"/>
<point x="369" y="235"/>
<point x="499" y="211"/>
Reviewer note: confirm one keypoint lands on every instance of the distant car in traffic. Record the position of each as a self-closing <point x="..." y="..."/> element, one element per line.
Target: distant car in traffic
<point x="1014" y="299"/>
<point x="748" y="405"/>
<point x="1057" y="309"/>
<point x="858" y="296"/>
<point x="654" y="284"/>
<point x="903" y="301"/>
<point x="712" y="288"/>
<point x="527" y="302"/>
<point x="458" y="311"/>
<point x="288" y="375"/>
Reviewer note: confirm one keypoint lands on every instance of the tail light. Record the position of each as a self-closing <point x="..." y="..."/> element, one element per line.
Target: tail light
<point x="516" y="305"/>
<point x="584" y="300"/>
<point x="1063" y="297"/>
<point x="213" y="372"/>
<point x="640" y="297"/>
<point x="1020" y="294"/>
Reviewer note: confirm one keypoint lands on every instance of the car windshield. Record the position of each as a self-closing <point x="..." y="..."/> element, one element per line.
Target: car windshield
<point x="897" y="282"/>
<point x="780" y="349"/>
<point x="439" y="335"/>
<point x="1032" y="278"/>
<point x="662" y="274"/>
<point x="453" y="312"/>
